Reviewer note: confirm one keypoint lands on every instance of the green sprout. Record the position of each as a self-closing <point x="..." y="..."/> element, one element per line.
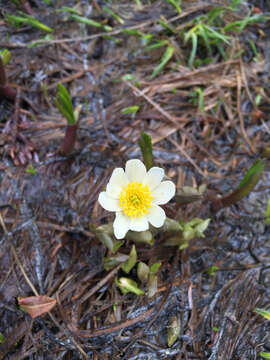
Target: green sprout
<point x="127" y="285"/>
<point x="90" y="22"/>
<point x="265" y="355"/>
<point x="6" y="56"/>
<point x="64" y="105"/>
<point x="198" y="98"/>
<point x="267" y="213"/>
<point x="247" y="184"/>
<point x="209" y="37"/>
<point x="31" y="170"/>
<point x="131" y="110"/>
<point x="239" y="25"/>
<point x="176" y="4"/>
<point x="27" y="20"/>
<point x="145" y="143"/>
<point x="165" y="58"/>
<point x="262" y="312"/>
<point x="211" y="271"/>
<point x="174" y="328"/>
<point x="131" y="261"/>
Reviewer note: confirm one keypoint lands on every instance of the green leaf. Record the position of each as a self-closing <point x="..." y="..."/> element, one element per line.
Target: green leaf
<point x="31" y="170"/>
<point x="265" y="355"/>
<point x="194" y="39"/>
<point x="252" y="176"/>
<point x="267" y="213"/>
<point x="212" y="270"/>
<point x="114" y="15"/>
<point x="2" y="339"/>
<point x="90" y="22"/>
<point x="165" y="58"/>
<point x="152" y="285"/>
<point x="143" y="272"/>
<point x="68" y="10"/>
<point x="131" y="262"/>
<point x="175" y="3"/>
<point x="111" y="262"/>
<point x="249" y="181"/>
<point x="130" y="110"/>
<point x="145" y="143"/>
<point x="64" y="104"/>
<point x="28" y="20"/>
<point x="262" y="312"/>
<point x="154" y="267"/>
<point x="127" y="285"/>
<point x="6" y="56"/>
<point x="173" y="332"/>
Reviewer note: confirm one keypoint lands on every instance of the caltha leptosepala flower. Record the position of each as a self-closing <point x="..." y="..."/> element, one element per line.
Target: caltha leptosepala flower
<point x="135" y="195"/>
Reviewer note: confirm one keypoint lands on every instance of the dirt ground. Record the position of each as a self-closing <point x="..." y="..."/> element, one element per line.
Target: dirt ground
<point x="208" y="120"/>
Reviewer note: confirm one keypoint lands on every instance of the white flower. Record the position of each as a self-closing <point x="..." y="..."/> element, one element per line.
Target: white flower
<point x="135" y="196"/>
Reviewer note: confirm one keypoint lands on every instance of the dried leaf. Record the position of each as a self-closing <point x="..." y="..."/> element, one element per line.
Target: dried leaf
<point x="36" y="305"/>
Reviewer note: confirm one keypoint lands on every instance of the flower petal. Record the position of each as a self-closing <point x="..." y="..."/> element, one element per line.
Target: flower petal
<point x="121" y="225"/>
<point x="117" y="181"/>
<point x="153" y="177"/>
<point x="135" y="170"/>
<point x="139" y="224"/>
<point x="163" y="193"/>
<point x="156" y="216"/>
<point x="108" y="203"/>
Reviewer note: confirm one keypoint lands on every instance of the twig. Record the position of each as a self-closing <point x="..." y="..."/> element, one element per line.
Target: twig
<point x="242" y="126"/>
<point x="14" y="252"/>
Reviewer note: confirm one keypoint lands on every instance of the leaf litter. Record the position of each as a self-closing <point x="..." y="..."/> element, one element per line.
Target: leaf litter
<point x="206" y="128"/>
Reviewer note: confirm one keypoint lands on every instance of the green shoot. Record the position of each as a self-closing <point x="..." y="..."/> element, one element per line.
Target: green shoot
<point x="262" y="312"/>
<point x="174" y="328"/>
<point x="31" y="170"/>
<point x="114" y="15"/>
<point x="2" y="339"/>
<point x="267" y="213"/>
<point x="27" y="20"/>
<point x="127" y="285"/>
<point x="130" y="110"/>
<point x="212" y="270"/>
<point x="131" y="261"/>
<point x="90" y="22"/>
<point x="165" y="58"/>
<point x="145" y="143"/>
<point x="209" y="37"/>
<point x="175" y="4"/>
<point x="249" y="181"/>
<point x="198" y="98"/>
<point x="6" y="56"/>
<point x="239" y="25"/>
<point x="64" y="104"/>
<point x="265" y="355"/>
<point x="68" y="10"/>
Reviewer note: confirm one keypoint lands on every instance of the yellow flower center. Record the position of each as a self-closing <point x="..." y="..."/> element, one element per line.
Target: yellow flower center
<point x="135" y="199"/>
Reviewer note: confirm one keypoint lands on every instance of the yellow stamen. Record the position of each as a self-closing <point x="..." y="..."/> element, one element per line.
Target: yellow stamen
<point x="135" y="199"/>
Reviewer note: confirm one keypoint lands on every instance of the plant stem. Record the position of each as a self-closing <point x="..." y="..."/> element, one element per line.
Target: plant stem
<point x="69" y="141"/>
<point x="5" y="90"/>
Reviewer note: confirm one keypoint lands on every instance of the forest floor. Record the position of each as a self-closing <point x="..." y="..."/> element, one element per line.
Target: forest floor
<point x="196" y="80"/>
